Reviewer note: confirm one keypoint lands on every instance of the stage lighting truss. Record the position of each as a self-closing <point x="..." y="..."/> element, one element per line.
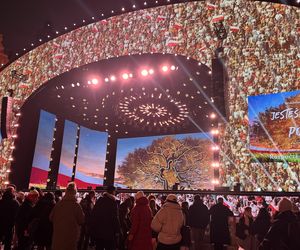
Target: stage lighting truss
<point x="152" y="110"/>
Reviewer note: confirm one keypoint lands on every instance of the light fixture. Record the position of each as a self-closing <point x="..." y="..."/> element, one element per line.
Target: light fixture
<point x="125" y="76"/>
<point x="95" y="81"/>
<point x="165" y="68"/>
<point x="213" y="116"/>
<point x="113" y="78"/>
<point x="215" y="164"/>
<point x="144" y="72"/>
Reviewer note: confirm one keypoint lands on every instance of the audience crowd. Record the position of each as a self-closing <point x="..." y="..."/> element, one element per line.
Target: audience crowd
<point x="57" y="221"/>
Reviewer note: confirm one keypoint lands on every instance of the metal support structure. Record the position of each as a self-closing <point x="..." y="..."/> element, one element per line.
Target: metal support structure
<point x="76" y="154"/>
<point x="55" y="153"/>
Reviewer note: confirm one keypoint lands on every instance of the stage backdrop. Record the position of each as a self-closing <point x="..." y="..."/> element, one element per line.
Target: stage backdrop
<point x="159" y="162"/>
<point x="261" y="54"/>
<point x="42" y="154"/>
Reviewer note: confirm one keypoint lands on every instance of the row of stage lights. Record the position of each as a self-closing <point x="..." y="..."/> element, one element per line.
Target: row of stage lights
<point x="127" y="75"/>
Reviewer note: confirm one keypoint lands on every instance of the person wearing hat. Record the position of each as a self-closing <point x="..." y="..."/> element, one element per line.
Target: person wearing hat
<point x="140" y="235"/>
<point x="168" y="223"/>
<point x="104" y="224"/>
<point x="285" y="230"/>
<point x="23" y="219"/>
<point x="67" y="217"/>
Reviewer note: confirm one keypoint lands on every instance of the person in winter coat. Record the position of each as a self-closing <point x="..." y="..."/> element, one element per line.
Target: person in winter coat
<point x="125" y="221"/>
<point x="168" y="222"/>
<point x="9" y="208"/>
<point x="261" y="225"/>
<point x="67" y="217"/>
<point x="284" y="233"/>
<point x="245" y="237"/>
<point x="87" y="205"/>
<point x="141" y="216"/>
<point x="219" y="228"/>
<point x="104" y="223"/>
<point x="198" y="221"/>
<point x="23" y="219"/>
<point x="42" y="236"/>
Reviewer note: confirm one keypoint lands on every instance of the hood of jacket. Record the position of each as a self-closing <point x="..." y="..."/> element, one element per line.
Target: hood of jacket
<point x="172" y="205"/>
<point x="142" y="201"/>
<point x="110" y="196"/>
<point x="287" y="216"/>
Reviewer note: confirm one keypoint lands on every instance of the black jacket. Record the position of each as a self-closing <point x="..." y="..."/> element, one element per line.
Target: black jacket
<point x="104" y="221"/>
<point x="284" y="233"/>
<point x="8" y="211"/>
<point x="260" y="227"/>
<point x="44" y="229"/>
<point x="198" y="215"/>
<point x="24" y="217"/>
<point x="219" y="228"/>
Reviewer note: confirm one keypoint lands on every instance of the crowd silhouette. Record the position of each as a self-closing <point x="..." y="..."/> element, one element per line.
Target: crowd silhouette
<point x="63" y="221"/>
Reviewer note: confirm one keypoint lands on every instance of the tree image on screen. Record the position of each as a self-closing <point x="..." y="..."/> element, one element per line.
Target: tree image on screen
<point x="168" y="161"/>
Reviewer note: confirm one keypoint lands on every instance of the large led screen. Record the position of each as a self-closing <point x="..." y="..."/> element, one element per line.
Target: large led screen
<point x="262" y="56"/>
<point x="67" y="154"/>
<point x="91" y="158"/>
<point x="274" y="126"/>
<point x="160" y="162"/>
<point x="42" y="153"/>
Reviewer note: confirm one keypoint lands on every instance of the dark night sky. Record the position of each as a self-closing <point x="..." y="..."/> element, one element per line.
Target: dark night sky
<point x="23" y="22"/>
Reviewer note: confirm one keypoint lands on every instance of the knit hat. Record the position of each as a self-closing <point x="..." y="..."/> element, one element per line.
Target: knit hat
<point x="285" y="205"/>
<point x="71" y="188"/>
<point x="139" y="194"/>
<point x="172" y="198"/>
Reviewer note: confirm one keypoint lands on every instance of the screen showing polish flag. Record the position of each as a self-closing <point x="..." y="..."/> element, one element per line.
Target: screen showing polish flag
<point x="218" y="18"/>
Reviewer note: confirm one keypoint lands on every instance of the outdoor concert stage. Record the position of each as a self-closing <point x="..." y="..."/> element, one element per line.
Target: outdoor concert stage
<point x="181" y="97"/>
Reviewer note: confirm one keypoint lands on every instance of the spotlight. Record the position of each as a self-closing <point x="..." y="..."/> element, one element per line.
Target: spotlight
<point x="130" y="75"/>
<point x="95" y="81"/>
<point x="106" y="79"/>
<point x="89" y="82"/>
<point x="215" y="164"/>
<point x="215" y="148"/>
<point x="151" y="71"/>
<point x="144" y="72"/>
<point x="173" y="67"/>
<point x="215" y="132"/>
<point x="113" y="78"/>
<point x="164" y="68"/>
<point x="125" y="76"/>
<point x="213" y="115"/>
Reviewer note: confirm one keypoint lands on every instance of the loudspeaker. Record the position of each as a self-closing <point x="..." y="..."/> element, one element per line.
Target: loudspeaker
<point x="6" y="116"/>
